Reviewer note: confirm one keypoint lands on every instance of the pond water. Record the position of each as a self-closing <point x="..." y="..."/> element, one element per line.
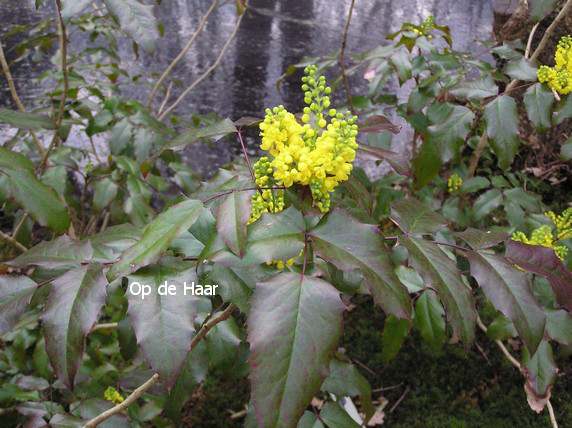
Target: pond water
<point x="274" y="35"/>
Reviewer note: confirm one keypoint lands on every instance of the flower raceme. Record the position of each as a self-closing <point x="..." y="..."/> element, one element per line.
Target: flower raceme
<point x="316" y="153"/>
<point x="111" y="394"/>
<point x="544" y="235"/>
<point x="559" y="77"/>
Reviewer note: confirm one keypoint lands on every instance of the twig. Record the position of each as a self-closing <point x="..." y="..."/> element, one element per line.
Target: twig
<point x="211" y="68"/>
<point x="482" y="143"/>
<point x="12" y="241"/>
<point x="529" y="43"/>
<point x="155" y="378"/>
<point x="16" y="98"/>
<point x="166" y="99"/>
<point x="505" y="351"/>
<point x="551" y="413"/>
<point x="180" y="57"/>
<point x="122" y="406"/>
<point x="103" y="326"/>
<point x="398" y="402"/>
<point x="64" y="67"/>
<point x="387" y="388"/>
<point x="19" y="225"/>
<point x="342" y="64"/>
<point x="245" y="154"/>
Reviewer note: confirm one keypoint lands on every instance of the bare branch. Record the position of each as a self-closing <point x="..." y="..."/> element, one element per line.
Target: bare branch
<point x="342" y="64"/>
<point x="12" y="241"/>
<point x="64" y="69"/>
<point x="16" y="98"/>
<point x="210" y="69"/>
<point x="181" y="55"/>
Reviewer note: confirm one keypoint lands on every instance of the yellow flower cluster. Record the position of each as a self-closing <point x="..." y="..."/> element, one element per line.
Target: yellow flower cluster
<point x="427" y="26"/>
<point x="454" y="183"/>
<point x="111" y="394"/>
<point x="559" y="77"/>
<point x="563" y="223"/>
<point x="542" y="236"/>
<point x="265" y="200"/>
<point x="317" y="154"/>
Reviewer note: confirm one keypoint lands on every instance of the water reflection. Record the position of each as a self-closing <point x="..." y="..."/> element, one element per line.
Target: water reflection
<point x="272" y="36"/>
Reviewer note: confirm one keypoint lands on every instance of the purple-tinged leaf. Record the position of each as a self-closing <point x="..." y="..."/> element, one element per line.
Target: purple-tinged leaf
<point x="376" y="124"/>
<point x="293" y="327"/>
<point x="248" y="121"/>
<point x="540" y="372"/>
<point x="480" y="240"/>
<point x="72" y="309"/>
<point x="58" y="253"/>
<point x="15" y="295"/>
<point x="414" y="218"/>
<point x="438" y="270"/>
<point x="544" y="262"/>
<point x="334" y="416"/>
<point x="397" y="161"/>
<point x="164" y="324"/>
<point x="510" y="292"/>
<point x="157" y="237"/>
<point x="348" y="244"/>
<point x="233" y="215"/>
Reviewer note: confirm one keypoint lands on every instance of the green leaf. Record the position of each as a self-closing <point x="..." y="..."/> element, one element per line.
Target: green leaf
<point x="121" y="136"/>
<point x="127" y="339"/>
<point x="194" y="372"/>
<point x="60" y="252"/>
<point x="213" y="132"/>
<point x="22" y="120"/>
<point x="450" y="134"/>
<point x="104" y="193"/>
<point x="38" y="200"/>
<point x="559" y="325"/>
<point x="72" y="309"/>
<point x="474" y="184"/>
<point x="293" y="327"/>
<point x="566" y="150"/>
<point x="234" y="285"/>
<point x="157" y="237"/>
<point x="563" y="109"/>
<point x="509" y="290"/>
<point x="348" y="244"/>
<point x="501" y="328"/>
<point x="137" y="20"/>
<point x="540" y="371"/>
<point x="522" y="69"/>
<point x="539" y="102"/>
<point x="543" y="261"/>
<point x="478" y="89"/>
<point x="14" y="160"/>
<point x="526" y="200"/>
<point x="540" y="9"/>
<point x="72" y="8"/>
<point x="430" y="319"/>
<point x="277" y="236"/>
<point x="309" y="420"/>
<point x="336" y="417"/>
<point x="222" y="344"/>
<point x="479" y="240"/>
<point x="436" y="268"/>
<point x="164" y="322"/>
<point x="402" y="65"/>
<point x="414" y="218"/>
<point x="394" y="332"/>
<point x="233" y="215"/>
<point x="345" y="380"/>
<point x="15" y="294"/>
<point x="502" y="128"/>
<point x="486" y="204"/>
